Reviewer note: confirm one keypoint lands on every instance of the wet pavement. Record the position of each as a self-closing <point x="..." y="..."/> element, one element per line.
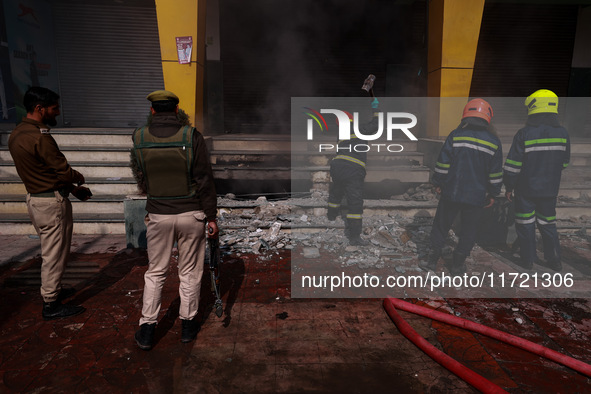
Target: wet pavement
<point x="265" y="341"/>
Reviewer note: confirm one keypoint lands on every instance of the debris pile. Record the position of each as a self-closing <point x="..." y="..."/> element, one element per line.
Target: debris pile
<point x="423" y="192"/>
<point x="262" y="226"/>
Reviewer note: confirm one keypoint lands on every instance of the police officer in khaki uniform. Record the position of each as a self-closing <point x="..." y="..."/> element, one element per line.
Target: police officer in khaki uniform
<point x="49" y="180"/>
<point x="181" y="204"/>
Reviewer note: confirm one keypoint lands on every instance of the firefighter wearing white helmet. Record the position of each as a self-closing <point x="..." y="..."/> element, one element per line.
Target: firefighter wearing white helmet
<point x="532" y="172"/>
<point x="468" y="175"/>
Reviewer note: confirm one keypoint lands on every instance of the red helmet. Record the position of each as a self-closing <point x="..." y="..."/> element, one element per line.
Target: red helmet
<point x="478" y="108"/>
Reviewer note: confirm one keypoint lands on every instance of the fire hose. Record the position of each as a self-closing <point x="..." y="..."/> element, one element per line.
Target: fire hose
<point x="471" y="377"/>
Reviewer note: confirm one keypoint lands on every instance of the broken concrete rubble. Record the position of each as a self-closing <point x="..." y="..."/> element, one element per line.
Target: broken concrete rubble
<point x="394" y="237"/>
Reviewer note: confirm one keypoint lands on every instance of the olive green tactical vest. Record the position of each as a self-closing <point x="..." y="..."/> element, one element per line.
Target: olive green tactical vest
<point x="166" y="163"/>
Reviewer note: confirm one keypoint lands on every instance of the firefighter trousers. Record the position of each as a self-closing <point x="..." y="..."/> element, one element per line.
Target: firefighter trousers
<point x="444" y="219"/>
<point x="347" y="181"/>
<point x="528" y="212"/>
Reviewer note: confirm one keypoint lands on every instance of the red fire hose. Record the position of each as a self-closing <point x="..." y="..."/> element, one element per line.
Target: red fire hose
<point x="479" y="382"/>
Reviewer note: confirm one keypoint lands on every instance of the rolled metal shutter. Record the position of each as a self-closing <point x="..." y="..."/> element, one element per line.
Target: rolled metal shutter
<point x="108" y="59"/>
<point x="524" y="47"/>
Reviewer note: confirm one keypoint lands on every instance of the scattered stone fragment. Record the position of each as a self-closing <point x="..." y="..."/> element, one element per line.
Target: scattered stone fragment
<point x="311" y="253"/>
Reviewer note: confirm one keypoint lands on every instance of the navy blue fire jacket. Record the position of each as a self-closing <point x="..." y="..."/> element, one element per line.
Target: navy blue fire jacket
<point x="470" y="164"/>
<point x="354" y="150"/>
<point x="539" y="153"/>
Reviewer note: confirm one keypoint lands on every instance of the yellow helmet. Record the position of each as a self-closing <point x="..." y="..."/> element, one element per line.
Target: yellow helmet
<point x="542" y="100"/>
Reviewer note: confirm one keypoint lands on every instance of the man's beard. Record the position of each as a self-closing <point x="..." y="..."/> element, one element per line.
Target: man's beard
<point x="50" y="122"/>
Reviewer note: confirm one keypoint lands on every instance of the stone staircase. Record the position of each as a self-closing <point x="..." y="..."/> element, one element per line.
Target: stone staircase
<point x="102" y="157"/>
<point x="248" y="166"/>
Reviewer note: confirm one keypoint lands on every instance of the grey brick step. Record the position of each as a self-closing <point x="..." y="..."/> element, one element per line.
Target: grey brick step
<point x="412" y="174"/>
<point x="88" y="136"/>
<point x="88" y="153"/>
<point x="88" y="169"/>
<point x="99" y="204"/>
<point x="19" y="223"/>
<point x="79" y="139"/>
<point x="98" y="186"/>
<point x="428" y="208"/>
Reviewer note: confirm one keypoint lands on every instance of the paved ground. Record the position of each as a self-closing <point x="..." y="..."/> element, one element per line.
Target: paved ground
<point x="266" y="341"/>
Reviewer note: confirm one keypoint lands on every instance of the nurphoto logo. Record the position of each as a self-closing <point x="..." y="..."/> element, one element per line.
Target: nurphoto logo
<point x="390" y="125"/>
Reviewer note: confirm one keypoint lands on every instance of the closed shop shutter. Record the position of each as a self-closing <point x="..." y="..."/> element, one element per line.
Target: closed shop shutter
<point x="524" y="47"/>
<point x="109" y="60"/>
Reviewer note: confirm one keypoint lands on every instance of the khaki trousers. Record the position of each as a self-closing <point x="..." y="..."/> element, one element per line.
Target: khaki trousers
<point x="52" y="219"/>
<point x="188" y="230"/>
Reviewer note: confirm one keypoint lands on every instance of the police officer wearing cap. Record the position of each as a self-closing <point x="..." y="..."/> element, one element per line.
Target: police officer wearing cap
<point x="181" y="205"/>
<point x="49" y="180"/>
<point x="533" y="169"/>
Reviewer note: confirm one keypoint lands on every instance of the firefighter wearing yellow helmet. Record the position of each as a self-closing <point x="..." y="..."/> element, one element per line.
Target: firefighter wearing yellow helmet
<point x="542" y="101"/>
<point x="532" y="172"/>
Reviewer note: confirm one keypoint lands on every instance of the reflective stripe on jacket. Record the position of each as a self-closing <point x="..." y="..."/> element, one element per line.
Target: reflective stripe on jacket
<point x="539" y="153"/>
<point x="469" y="165"/>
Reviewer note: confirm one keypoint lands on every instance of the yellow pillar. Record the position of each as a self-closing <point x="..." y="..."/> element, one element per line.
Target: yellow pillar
<point x="183" y="18"/>
<point x="454" y="27"/>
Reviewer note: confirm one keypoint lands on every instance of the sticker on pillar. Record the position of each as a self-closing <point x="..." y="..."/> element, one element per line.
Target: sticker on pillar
<point x="184" y="47"/>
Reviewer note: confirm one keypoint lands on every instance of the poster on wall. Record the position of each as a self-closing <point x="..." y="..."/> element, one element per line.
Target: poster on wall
<point x="184" y="47"/>
<point x="7" y="108"/>
<point x="31" y="49"/>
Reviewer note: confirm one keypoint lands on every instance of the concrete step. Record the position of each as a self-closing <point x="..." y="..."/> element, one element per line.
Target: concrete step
<point x="580" y="176"/>
<point x="416" y="209"/>
<point x="580" y="159"/>
<point x="19" y="223"/>
<point x="89" y="170"/>
<point x="88" y="153"/>
<point x="96" y="137"/>
<point x="373" y="159"/>
<point x="266" y="143"/>
<point x="99" y="204"/>
<point x="98" y="186"/>
<point x="374" y="174"/>
<point x="403" y="174"/>
<point x="249" y="142"/>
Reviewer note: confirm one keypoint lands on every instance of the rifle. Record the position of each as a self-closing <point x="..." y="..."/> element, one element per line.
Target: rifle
<point x="214" y="269"/>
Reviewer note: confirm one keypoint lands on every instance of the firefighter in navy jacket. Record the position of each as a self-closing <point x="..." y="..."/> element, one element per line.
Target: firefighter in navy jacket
<point x="347" y="171"/>
<point x="539" y="153"/>
<point x="468" y="175"/>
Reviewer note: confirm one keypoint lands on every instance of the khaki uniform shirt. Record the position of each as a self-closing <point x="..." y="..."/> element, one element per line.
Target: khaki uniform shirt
<point x="39" y="162"/>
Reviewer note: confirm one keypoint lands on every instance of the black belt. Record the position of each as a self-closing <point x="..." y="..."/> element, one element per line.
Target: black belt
<point x="50" y="193"/>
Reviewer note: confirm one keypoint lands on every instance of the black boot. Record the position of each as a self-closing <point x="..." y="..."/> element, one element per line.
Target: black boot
<point x="65" y="293"/>
<point x="554" y="264"/>
<point x="356" y="240"/>
<point x="332" y="213"/>
<point x="55" y="310"/>
<point x="144" y="337"/>
<point x="189" y="330"/>
<point x="527" y="264"/>
<point x="353" y="232"/>
<point x="431" y="261"/>
<point x="458" y="265"/>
